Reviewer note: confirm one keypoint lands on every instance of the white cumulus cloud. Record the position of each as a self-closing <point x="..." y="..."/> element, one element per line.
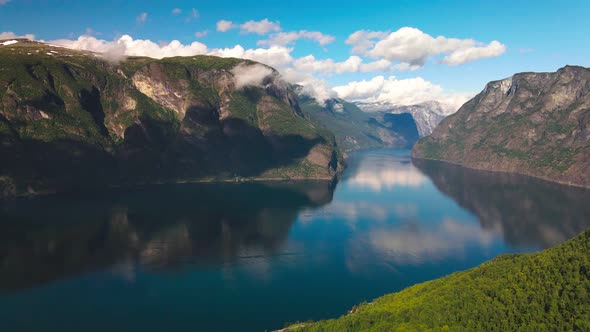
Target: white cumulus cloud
<point x="462" y="56"/>
<point x="362" y="40"/>
<point x="408" y="91"/>
<point x="412" y="47"/>
<point x="224" y="26"/>
<point x="328" y="66"/>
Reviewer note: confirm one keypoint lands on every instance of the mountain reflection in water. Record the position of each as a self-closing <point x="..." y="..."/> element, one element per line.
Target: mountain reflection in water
<point x="51" y="237"/>
<point x="529" y="212"/>
<point x="252" y="256"/>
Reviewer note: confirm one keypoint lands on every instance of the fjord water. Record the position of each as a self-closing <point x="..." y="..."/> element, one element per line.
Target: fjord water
<point x="252" y="256"/>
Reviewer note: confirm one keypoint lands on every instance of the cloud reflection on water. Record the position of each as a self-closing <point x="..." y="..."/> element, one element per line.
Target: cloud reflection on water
<point x="384" y="171"/>
<point x="416" y="245"/>
<point x="386" y="179"/>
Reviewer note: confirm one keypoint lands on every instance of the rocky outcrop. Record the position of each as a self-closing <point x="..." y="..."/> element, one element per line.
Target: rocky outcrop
<point x="531" y="123"/>
<point x="70" y="118"/>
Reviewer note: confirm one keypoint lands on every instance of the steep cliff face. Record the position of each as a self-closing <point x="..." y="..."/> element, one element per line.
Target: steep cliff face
<point x="71" y="118"/>
<point x="355" y="129"/>
<point x="532" y="123"/>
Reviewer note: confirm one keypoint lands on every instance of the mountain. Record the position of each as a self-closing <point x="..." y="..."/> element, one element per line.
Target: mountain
<point x="427" y="114"/>
<point x="531" y="123"/>
<point x="355" y="129"/>
<point x="544" y="291"/>
<point x="70" y="118"/>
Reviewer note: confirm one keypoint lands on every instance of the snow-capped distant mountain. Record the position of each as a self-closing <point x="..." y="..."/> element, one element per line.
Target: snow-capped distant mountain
<point x="427" y="115"/>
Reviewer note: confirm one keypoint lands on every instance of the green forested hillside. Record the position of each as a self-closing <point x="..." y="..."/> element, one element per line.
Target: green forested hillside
<point x="545" y="291"/>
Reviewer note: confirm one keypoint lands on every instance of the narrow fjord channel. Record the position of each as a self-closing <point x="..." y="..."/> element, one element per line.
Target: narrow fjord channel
<point x="252" y="256"/>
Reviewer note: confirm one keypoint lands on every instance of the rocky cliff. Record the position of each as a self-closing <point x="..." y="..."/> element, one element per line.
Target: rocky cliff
<point x="531" y="123"/>
<point x="71" y="118"/>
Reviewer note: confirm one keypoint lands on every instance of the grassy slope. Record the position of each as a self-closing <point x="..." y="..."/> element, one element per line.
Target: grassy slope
<point x="548" y="290"/>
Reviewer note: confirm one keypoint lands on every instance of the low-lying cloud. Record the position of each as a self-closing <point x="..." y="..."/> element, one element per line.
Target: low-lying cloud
<point x="12" y="35"/>
<point x="127" y="46"/>
<point x="250" y="75"/>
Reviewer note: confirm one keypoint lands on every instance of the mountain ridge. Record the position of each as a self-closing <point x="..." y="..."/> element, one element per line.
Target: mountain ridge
<point x="536" y="124"/>
<point x="70" y="117"/>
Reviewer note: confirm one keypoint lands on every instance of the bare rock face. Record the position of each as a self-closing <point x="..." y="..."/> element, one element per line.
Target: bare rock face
<point x="69" y="117"/>
<point x="531" y="123"/>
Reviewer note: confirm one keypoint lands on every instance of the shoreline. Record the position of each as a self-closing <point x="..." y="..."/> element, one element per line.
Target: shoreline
<point x="48" y="192"/>
<point x="571" y="184"/>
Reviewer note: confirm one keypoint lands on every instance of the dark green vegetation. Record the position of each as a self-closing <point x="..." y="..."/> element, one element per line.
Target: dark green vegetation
<point x="532" y="123"/>
<point x="70" y="118"/>
<point x="355" y="129"/>
<point x="544" y="291"/>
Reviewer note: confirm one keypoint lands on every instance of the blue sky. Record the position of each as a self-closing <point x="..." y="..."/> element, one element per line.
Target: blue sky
<point x="534" y="35"/>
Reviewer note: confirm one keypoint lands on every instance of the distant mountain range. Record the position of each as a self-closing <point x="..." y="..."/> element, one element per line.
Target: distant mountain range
<point x="427" y="115"/>
<point x="355" y="129"/>
<point x="531" y="123"/>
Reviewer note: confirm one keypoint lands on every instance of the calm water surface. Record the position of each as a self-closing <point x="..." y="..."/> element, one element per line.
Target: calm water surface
<point x="250" y="257"/>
